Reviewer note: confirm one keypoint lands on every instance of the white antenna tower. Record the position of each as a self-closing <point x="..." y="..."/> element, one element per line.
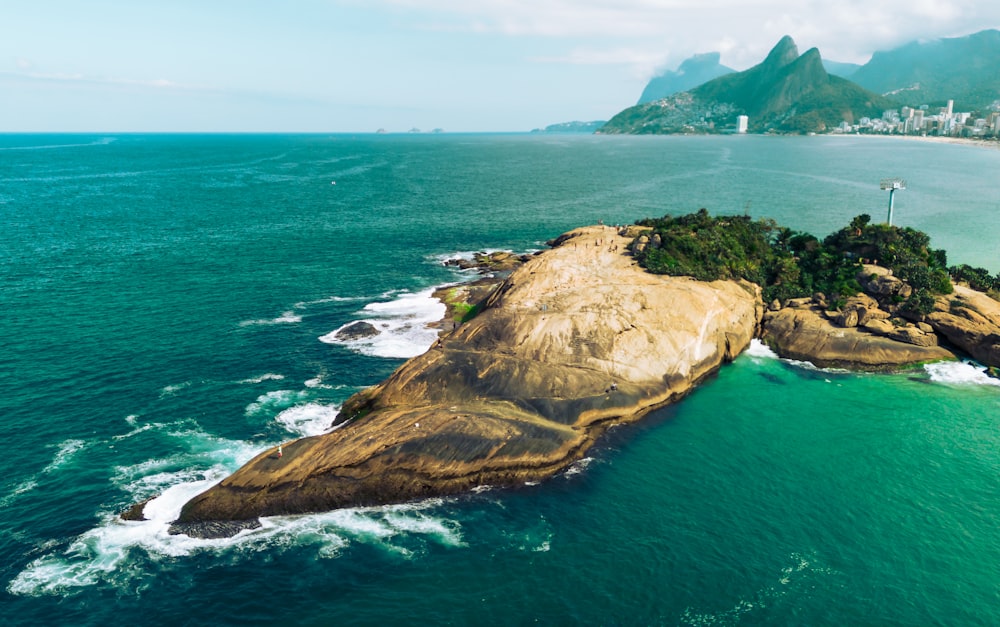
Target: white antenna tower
<point x="892" y="185"/>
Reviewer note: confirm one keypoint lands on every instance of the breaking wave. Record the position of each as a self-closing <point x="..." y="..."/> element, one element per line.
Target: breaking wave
<point x="403" y="326"/>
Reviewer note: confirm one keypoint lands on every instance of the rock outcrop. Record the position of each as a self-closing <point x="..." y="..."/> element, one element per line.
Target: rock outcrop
<point x="970" y="320"/>
<point x="870" y="332"/>
<point x="573" y="341"/>
<point x="802" y="330"/>
<point x="531" y="369"/>
<point x="356" y="331"/>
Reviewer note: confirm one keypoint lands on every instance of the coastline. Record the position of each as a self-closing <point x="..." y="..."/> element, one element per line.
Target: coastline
<point x="992" y="144"/>
<point x="528" y="371"/>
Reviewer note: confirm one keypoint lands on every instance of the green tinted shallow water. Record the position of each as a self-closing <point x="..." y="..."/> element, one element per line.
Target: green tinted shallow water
<point x="163" y="302"/>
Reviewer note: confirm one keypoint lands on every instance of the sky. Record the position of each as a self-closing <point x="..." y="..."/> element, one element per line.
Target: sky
<point x="362" y="65"/>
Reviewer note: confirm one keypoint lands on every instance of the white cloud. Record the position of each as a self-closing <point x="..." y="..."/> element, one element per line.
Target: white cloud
<point x="850" y="30"/>
<point x="159" y="83"/>
<point x="642" y="62"/>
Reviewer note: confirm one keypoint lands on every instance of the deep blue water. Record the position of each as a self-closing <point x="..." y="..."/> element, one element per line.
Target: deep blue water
<point x="165" y="306"/>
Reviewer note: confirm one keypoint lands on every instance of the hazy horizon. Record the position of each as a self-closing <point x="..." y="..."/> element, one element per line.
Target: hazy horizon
<point x="343" y="66"/>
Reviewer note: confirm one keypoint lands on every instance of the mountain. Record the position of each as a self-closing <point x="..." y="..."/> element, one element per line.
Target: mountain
<point x="694" y="71"/>
<point x="963" y="69"/>
<point x="786" y="93"/>
<point x="843" y="70"/>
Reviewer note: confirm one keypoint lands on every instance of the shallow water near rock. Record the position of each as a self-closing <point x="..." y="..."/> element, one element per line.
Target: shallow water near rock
<point x="164" y="302"/>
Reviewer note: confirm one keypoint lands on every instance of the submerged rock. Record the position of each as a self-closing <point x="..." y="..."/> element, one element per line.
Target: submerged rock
<point x="356" y="331"/>
<point x="211" y="530"/>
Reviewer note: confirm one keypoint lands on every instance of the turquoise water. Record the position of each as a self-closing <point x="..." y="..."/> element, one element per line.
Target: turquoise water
<point x="167" y="302"/>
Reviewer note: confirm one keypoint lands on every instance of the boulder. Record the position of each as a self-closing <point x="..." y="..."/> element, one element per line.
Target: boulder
<point x="972" y="324"/>
<point x="913" y="335"/>
<point x="641" y="243"/>
<point x="879" y="326"/>
<point x="356" y="331"/>
<point x="805" y="334"/>
<point x="885" y="287"/>
<point x="848" y="318"/>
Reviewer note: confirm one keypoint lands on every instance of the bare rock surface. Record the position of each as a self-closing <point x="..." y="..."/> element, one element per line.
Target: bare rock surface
<point x="804" y="332"/>
<point x="576" y="339"/>
<point x="971" y="321"/>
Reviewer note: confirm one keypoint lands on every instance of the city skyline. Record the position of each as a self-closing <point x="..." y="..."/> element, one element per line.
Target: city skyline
<point x="348" y="66"/>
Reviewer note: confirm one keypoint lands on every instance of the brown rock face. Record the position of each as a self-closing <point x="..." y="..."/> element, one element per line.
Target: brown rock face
<point x="804" y="333"/>
<point x="970" y="321"/>
<point x="576" y="339"/>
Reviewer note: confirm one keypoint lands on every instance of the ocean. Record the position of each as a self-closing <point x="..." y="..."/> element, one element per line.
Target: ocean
<point x="168" y="304"/>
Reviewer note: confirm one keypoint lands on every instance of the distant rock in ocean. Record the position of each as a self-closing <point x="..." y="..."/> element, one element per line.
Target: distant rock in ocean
<point x="571" y="127"/>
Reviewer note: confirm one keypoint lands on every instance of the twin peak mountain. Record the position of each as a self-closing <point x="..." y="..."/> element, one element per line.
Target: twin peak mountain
<point x="786" y="93"/>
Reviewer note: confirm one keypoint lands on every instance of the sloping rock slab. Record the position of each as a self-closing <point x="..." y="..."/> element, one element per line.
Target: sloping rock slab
<point x="972" y="323"/>
<point x="806" y="335"/>
<point x="575" y="340"/>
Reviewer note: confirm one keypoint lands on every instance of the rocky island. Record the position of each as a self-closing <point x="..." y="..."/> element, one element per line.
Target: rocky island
<point x="574" y="340"/>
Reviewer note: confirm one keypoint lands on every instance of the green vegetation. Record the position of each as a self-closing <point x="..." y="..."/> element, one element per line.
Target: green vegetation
<point x="978" y="279"/>
<point x="463" y="312"/>
<point x="460" y="309"/>
<point x="932" y="72"/>
<point x="789" y="264"/>
<point x="785" y="93"/>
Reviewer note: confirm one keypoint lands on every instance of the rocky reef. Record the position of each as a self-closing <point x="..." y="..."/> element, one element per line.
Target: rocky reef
<point x="872" y="332"/>
<point x="532" y="367"/>
<point x="574" y="340"/>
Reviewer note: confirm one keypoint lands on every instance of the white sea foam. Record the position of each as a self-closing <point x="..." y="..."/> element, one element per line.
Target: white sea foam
<point x="760" y="350"/>
<point x="103" y="141"/>
<point x="959" y="373"/>
<point x="288" y="317"/>
<point x="100" y="555"/>
<point x="330" y="299"/>
<point x="808" y="365"/>
<point x="466" y="255"/>
<point x="803" y="573"/>
<point x="403" y="325"/>
<point x="22" y="488"/>
<point x="270" y="376"/>
<point x="275" y="401"/>
<point x="66" y="450"/>
<point x="578" y="466"/>
<point x="309" y="419"/>
<point x="135" y="432"/>
<point x="174" y="389"/>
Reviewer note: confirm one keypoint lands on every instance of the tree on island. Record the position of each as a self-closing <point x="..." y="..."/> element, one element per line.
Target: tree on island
<point x="790" y="264"/>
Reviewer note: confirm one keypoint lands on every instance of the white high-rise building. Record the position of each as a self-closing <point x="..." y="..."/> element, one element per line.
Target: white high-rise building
<point x="742" y="122"/>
